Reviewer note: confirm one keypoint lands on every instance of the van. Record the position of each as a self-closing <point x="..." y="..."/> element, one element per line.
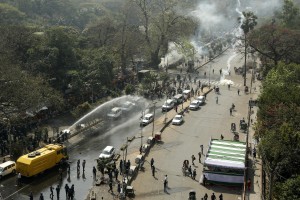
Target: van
<point x="186" y="94"/>
<point x="179" y="99"/>
<point x="107" y="153"/>
<point x="7" y="168"/>
<point x="115" y="113"/>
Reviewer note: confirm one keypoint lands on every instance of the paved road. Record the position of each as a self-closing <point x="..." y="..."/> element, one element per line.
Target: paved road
<point x="86" y="147"/>
<point x="180" y="142"/>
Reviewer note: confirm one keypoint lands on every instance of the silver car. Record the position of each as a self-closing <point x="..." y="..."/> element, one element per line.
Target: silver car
<point x="195" y="105"/>
<point x="177" y="120"/>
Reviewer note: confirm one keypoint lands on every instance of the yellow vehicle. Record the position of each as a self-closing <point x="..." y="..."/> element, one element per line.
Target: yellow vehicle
<point x="42" y="159"/>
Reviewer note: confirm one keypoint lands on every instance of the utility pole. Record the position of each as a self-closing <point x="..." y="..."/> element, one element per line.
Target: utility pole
<point x="154" y="104"/>
<point x="245" y="68"/>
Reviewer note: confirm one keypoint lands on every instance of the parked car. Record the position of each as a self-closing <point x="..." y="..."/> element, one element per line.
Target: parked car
<point x="201" y="99"/>
<point x="195" y="105"/>
<point x="148" y="118"/>
<point x="168" y="105"/>
<point x="186" y="94"/>
<point x="7" y="168"/>
<point x="177" y="120"/>
<point x="107" y="153"/>
<point x="115" y="113"/>
<point x="127" y="106"/>
<point x="179" y="99"/>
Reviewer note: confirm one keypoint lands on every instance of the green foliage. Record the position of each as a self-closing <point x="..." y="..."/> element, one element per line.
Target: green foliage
<point x="289" y="15"/>
<point x="276" y="43"/>
<point x="288" y="190"/>
<point x="248" y="21"/>
<point x="81" y="109"/>
<point x="10" y="15"/>
<point x="278" y="127"/>
<point x="20" y="91"/>
<point x="129" y="89"/>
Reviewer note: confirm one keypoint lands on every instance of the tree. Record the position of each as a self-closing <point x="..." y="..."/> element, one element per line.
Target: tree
<point x="20" y="92"/>
<point x="278" y="125"/>
<point x="288" y="190"/>
<point x="276" y="43"/>
<point x="248" y="22"/>
<point x="289" y="16"/>
<point x="10" y="15"/>
<point x="161" y="25"/>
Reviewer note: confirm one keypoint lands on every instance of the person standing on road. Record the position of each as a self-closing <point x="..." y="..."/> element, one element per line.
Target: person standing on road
<point x="222" y="137"/>
<point x="110" y="187"/>
<point x="51" y="192"/>
<point x="194" y="174"/>
<point x="199" y="154"/>
<point x="67" y="190"/>
<point x="230" y="111"/>
<point x="213" y="196"/>
<point x="205" y="196"/>
<point x="201" y="147"/>
<point x="30" y="196"/>
<point x="152" y="162"/>
<point x="83" y="165"/>
<point x="193" y="159"/>
<point x="238" y="92"/>
<point x="19" y="179"/>
<point x="57" y="191"/>
<point x="116" y="174"/>
<point x="153" y="170"/>
<point x="78" y="165"/>
<point x="94" y="171"/>
<point x="165" y="183"/>
<point x="221" y="197"/>
<point x="121" y="166"/>
<point x="217" y="100"/>
<point x="190" y="171"/>
<point x="41" y="196"/>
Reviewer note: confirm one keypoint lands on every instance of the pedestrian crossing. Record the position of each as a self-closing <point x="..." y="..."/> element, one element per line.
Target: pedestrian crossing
<point x="213" y="82"/>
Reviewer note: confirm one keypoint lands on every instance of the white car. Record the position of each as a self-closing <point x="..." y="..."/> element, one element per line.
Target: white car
<point x="115" y="113"/>
<point x="148" y="118"/>
<point x="168" y="105"/>
<point x="107" y="153"/>
<point x="195" y="105"/>
<point x="201" y="99"/>
<point x="177" y="120"/>
<point x="127" y="106"/>
<point x="6" y="168"/>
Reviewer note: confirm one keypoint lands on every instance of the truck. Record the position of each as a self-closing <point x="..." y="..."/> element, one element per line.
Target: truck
<point x="42" y="159"/>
